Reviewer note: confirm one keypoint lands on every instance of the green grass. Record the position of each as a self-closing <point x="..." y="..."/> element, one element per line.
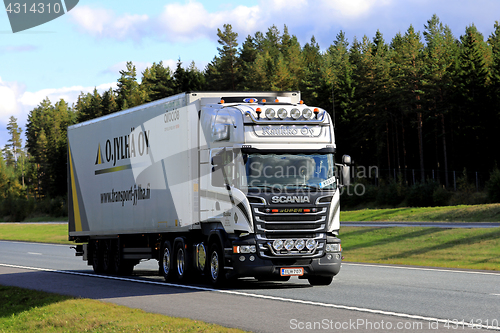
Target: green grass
<point x="42" y="233"/>
<point x="462" y="213"/>
<point x="23" y="310"/>
<point x="438" y="247"/>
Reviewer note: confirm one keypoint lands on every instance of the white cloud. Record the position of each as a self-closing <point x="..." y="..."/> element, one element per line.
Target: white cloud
<point x="69" y="94"/>
<point x="191" y="20"/>
<point x="102" y="22"/>
<point x="15" y="101"/>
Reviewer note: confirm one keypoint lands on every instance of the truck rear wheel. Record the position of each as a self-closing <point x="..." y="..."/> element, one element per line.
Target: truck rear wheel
<point x="320" y="280"/>
<point x="182" y="262"/>
<point x="165" y="261"/>
<point x="97" y="257"/>
<point x="215" y="265"/>
<point x="107" y="256"/>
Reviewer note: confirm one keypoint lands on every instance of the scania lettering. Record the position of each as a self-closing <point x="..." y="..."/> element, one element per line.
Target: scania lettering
<point x="215" y="185"/>
<point x="290" y="199"/>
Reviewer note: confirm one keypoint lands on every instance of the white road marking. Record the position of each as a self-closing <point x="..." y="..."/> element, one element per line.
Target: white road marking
<point x="423" y="269"/>
<point x="274" y="298"/>
<point x="35" y="253"/>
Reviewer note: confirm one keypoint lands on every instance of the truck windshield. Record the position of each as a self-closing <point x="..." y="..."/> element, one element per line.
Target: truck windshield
<point x="286" y="171"/>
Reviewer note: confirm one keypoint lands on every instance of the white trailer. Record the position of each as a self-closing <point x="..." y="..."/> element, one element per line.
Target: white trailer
<point x="220" y="184"/>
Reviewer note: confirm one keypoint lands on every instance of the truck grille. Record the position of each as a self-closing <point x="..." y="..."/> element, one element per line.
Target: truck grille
<point x="271" y="226"/>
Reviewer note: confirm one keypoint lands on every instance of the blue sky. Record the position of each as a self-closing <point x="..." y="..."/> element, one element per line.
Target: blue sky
<point x="88" y="46"/>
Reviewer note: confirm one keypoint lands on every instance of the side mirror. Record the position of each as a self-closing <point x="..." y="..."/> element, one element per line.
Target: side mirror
<point x="217" y="161"/>
<point x="346" y="159"/>
<point x="217" y="178"/>
<point x="346" y="175"/>
<point x="220" y="132"/>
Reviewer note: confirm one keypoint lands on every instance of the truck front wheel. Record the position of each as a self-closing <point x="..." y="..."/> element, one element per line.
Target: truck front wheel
<point x="320" y="280"/>
<point x="166" y="261"/>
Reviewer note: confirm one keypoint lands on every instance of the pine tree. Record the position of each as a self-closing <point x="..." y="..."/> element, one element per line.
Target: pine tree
<point x="157" y="82"/>
<point x="223" y="72"/>
<point x="129" y="93"/>
<point x="13" y="149"/>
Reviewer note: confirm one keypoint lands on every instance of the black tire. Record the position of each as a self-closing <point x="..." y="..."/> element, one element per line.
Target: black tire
<point x="182" y="263"/>
<point x="107" y="256"/>
<point x="215" y="266"/>
<point x="97" y="257"/>
<point x="118" y="265"/>
<point x="165" y="261"/>
<point x="320" y="280"/>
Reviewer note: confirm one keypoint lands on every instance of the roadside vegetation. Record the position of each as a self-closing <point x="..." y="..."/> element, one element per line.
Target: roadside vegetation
<point x="23" y="310"/>
<point x="423" y="246"/>
<point x="461" y="213"/>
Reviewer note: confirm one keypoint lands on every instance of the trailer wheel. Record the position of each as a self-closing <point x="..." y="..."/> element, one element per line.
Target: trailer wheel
<point x="320" y="280"/>
<point x="97" y="257"/>
<point x="165" y="261"/>
<point x="107" y="256"/>
<point x="182" y="262"/>
<point x="215" y="265"/>
<point x="119" y="265"/>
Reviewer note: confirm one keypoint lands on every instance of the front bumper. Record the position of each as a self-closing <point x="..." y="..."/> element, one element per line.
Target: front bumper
<point x="328" y="265"/>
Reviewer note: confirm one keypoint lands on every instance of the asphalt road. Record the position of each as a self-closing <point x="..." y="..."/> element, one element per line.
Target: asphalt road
<point x="362" y="298"/>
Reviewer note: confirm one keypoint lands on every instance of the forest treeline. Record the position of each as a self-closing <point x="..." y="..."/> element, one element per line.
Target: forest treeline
<point x="420" y="101"/>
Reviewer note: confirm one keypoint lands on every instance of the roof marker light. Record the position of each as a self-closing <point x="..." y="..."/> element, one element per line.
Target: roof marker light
<point x="276" y="100"/>
<point x="316" y="112"/>
<point x="301" y="102"/>
<point x="264" y="100"/>
<point x="221" y="101"/>
<point x="259" y="111"/>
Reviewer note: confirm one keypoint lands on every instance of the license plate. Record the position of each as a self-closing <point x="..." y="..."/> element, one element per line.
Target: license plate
<point x="296" y="271"/>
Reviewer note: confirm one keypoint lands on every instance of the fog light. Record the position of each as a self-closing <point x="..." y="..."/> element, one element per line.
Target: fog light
<point x="242" y="258"/>
<point x="329" y="257"/>
<point x="282" y="113"/>
<point x="252" y="258"/>
<point x="300" y="244"/>
<point x="270" y="113"/>
<point x="311" y="244"/>
<point x="295" y="113"/>
<point x="278" y="244"/>
<point x="289" y="244"/>
<point x="307" y="113"/>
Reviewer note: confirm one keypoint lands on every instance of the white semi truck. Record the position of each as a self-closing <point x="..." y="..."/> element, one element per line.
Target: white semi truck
<point x="215" y="184"/>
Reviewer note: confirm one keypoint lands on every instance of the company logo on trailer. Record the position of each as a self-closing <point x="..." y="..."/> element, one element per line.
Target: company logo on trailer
<point x="123" y="147"/>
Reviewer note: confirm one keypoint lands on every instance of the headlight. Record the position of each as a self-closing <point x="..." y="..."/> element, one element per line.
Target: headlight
<point x="270" y="113"/>
<point x="282" y="113"/>
<point x="295" y="113"/>
<point x="245" y="249"/>
<point x="278" y="244"/>
<point x="311" y="244"/>
<point x="300" y="244"/>
<point x="333" y="247"/>
<point x="289" y="244"/>
<point x="307" y="113"/>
